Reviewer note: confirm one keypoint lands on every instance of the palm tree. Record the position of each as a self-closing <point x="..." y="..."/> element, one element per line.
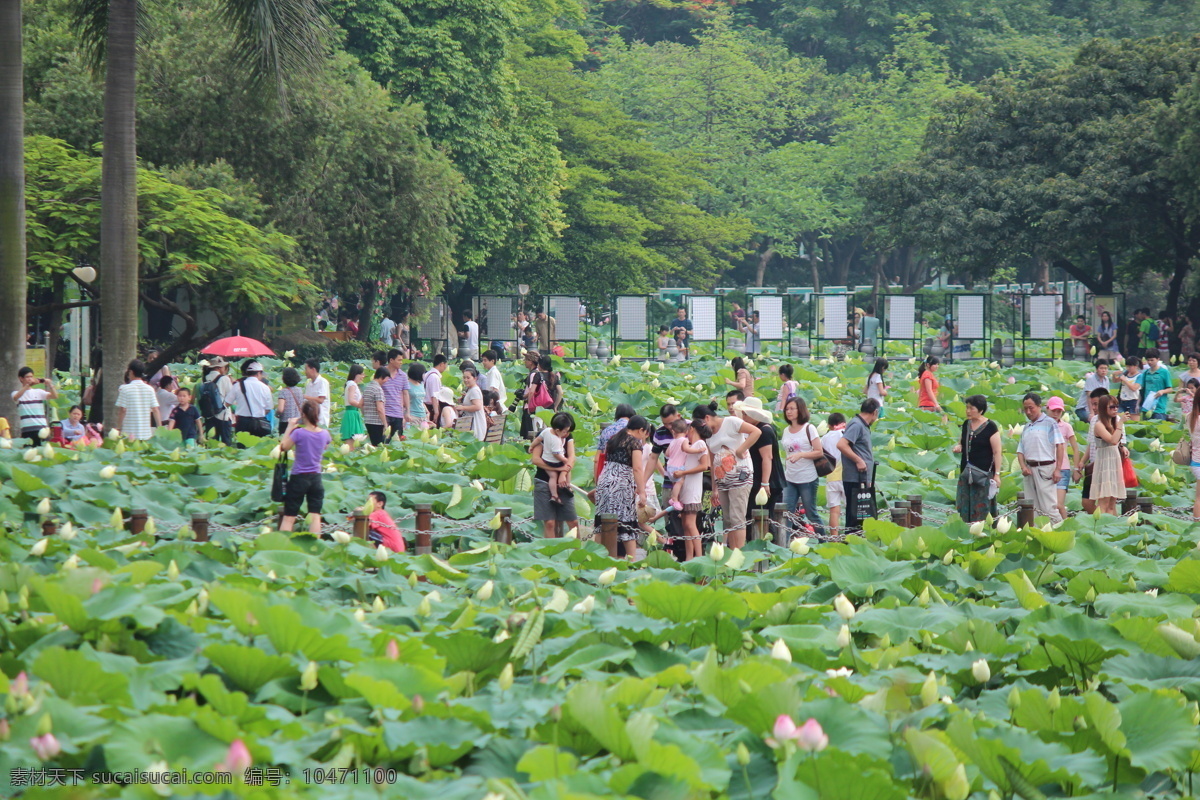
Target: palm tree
<point x="277" y="38"/>
<point x="12" y="203"/>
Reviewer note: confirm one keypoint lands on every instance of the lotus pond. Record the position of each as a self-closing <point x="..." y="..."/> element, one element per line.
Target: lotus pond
<point x="938" y="662"/>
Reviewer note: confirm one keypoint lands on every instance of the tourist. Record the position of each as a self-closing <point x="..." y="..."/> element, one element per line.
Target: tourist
<point x="491" y="404"/>
<point x="288" y="399"/>
<point x="185" y="418"/>
<point x="250" y="400"/>
<point x="547" y="330"/>
<point x="433" y="388"/>
<point x="553" y="383"/>
<point x="1193" y="369"/>
<point x="743" y="380"/>
<point x="835" y="490"/>
<point x="526" y="392"/>
<point x="1040" y="452"/>
<point x="858" y="459"/>
<point x="1131" y="389"/>
<point x="1194" y="433"/>
<point x="765" y="462"/>
<point x="553" y="516"/>
<point x="1147" y="332"/>
<point x="492" y="378"/>
<point x="446" y="402"/>
<point x="1106" y="336"/>
<point x="387" y="330"/>
<point x="1056" y="409"/>
<point x="732" y="469"/>
<point x="691" y="493"/>
<point x="1156" y="383"/>
<point x="732" y="398"/>
<point x="381" y="528"/>
<point x="876" y="389"/>
<point x="395" y="395"/>
<point x="373" y="409"/>
<point x="663" y="342"/>
<point x="165" y="395"/>
<point x="1166" y="332"/>
<point x="979" y="468"/>
<point x="525" y="333"/>
<point x="31" y="403"/>
<point x="869" y="328"/>
<point x="137" y="405"/>
<point x="752" y="325"/>
<point x="317" y="389"/>
<point x="215" y="385"/>
<point x="737" y="315"/>
<point x="681" y="329"/>
<point x="621" y="417"/>
<point x="660" y="440"/>
<point x="1108" y="482"/>
<point x="418" y="402"/>
<point x="554" y="454"/>
<point x="788" y="388"/>
<point x="310" y="441"/>
<point x="352" y="418"/>
<point x="677" y="455"/>
<point x="469" y="334"/>
<point x="473" y="403"/>
<point x="1081" y="333"/>
<point x="74" y="429"/>
<point x="165" y="371"/>
<point x="619" y="492"/>
<point x="928" y="386"/>
<point x="1093" y="380"/>
<point x="1084" y="459"/>
<point x="1187" y="336"/>
<point x="802" y="446"/>
<point x="945" y="337"/>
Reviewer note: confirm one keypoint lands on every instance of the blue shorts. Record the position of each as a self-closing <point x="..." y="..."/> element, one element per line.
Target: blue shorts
<point x="1064" y="482"/>
<point x="1130" y="406"/>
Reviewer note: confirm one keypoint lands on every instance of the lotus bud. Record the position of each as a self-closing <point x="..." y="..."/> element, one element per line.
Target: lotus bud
<point x="381" y="553"/>
<point x="1090" y="597"/>
<point x="957" y="787"/>
<point x="485" y="591"/>
<point x="811" y="737"/>
<point x="558" y="601"/>
<point x="1156" y="444"/>
<point x="378" y="604"/>
<point x="48" y="449"/>
<point x="342" y="537"/>
<point x="43" y="507"/>
<point x="120" y="448"/>
<point x="1053" y="700"/>
<point x="845" y="609"/>
<point x="505" y="681"/>
<point x="1133" y="519"/>
<point x="237" y="760"/>
<point x="45" y="746"/>
<point x="799" y="546"/>
<point x="948" y="559"/>
<point x="585" y="605"/>
<point x="651" y="538"/>
<point x="717" y="551"/>
<point x="360" y="615"/>
<point x="969" y="647"/>
<point x="645" y="366"/>
<point x="113" y="434"/>
<point x="5" y="444"/>
<point x="424" y="607"/>
<point x="762" y="497"/>
<point x="5" y="730"/>
<point x="344" y="449"/>
<point x="31" y="456"/>
<point x="308" y="678"/>
<point x="172" y="571"/>
<point x="976" y="528"/>
<point x="108" y="473"/>
<point x="780" y="651"/>
<point x="743" y="754"/>
<point x="843" y="637"/>
<point x="607" y="577"/>
<point x="72" y="562"/>
<point x="981" y="671"/>
<point x="39" y="547"/>
<point x="1003" y="525"/>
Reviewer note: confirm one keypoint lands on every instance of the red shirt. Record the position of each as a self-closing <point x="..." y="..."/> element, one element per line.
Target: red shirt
<point x="381" y="523"/>
<point x="925" y="397"/>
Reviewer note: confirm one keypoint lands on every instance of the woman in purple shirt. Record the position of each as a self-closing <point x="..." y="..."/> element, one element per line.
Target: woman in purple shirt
<point x="310" y="441"/>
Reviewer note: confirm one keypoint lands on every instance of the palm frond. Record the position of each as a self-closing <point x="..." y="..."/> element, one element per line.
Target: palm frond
<point x="91" y="25"/>
<point x="278" y="40"/>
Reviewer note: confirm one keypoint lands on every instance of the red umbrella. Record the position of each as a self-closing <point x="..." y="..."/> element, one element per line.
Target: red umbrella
<point x="238" y="347"/>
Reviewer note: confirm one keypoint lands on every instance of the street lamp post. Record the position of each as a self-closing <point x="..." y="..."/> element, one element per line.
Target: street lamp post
<point x="81" y="331"/>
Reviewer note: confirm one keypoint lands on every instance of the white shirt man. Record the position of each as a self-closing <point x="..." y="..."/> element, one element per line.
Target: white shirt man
<point x="387" y="330"/>
<point x="472" y="335"/>
<point x="317" y="389"/>
<point x="1039" y="453"/>
<point x="137" y="404"/>
<point x="249" y="396"/>
<point x="492" y="379"/>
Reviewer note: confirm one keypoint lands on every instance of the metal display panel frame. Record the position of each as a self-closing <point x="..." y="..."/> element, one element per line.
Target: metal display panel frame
<point x="1018" y="315"/>
<point x="816" y="317"/>
<point x="985" y="328"/>
<point x="1092" y="313"/>
<point x="487" y="336"/>
<point x="580" y="338"/>
<point x="785" y="316"/>
<point x="433" y="329"/>
<point x="647" y="335"/>
<point x="885" y="324"/>
<point x="718" y="321"/>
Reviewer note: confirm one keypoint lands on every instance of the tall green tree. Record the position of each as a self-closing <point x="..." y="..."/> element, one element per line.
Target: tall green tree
<point x="276" y="38"/>
<point x="12" y="201"/>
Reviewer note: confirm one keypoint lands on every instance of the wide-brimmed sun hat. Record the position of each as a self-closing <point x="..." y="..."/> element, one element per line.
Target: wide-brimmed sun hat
<point x="752" y="408"/>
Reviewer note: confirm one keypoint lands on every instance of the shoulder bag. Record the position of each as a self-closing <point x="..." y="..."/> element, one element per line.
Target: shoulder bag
<point x="279" y="480"/>
<point x="1182" y="455"/>
<point x="824" y="464"/>
<point x="975" y="476"/>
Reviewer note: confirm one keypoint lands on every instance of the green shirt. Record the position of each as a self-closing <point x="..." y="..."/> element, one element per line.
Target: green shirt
<point x="1144" y="330"/>
<point x="1156" y="381"/>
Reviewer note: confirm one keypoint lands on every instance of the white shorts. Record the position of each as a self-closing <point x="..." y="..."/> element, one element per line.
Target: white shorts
<point x="835" y="494"/>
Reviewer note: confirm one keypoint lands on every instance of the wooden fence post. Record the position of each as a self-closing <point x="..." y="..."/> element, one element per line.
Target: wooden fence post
<point x="424" y="526"/>
<point x="902" y="506"/>
<point x="1024" y="513"/>
<point x="1129" y="504"/>
<point x="1145" y="505"/>
<point x="916" y="505"/>
<point x="49" y="527"/>
<point x="362" y="523"/>
<point x="504" y="533"/>
<point x="137" y="521"/>
<point x="608" y="533"/>
<point x="779" y="532"/>
<point x="200" y="526"/>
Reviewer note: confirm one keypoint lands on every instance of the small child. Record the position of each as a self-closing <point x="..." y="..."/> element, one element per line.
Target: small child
<point x="185" y="417"/>
<point x="382" y="528"/>
<point x="73" y="429"/>
<point x="554" y="440"/>
<point x="664" y="339"/>
<point x="1130" y="401"/>
<point x="677" y="453"/>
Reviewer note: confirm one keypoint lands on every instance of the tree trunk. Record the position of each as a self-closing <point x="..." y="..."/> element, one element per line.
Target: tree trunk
<point x="813" y="263"/>
<point x="764" y="260"/>
<point x="12" y="205"/>
<point x="53" y="330"/>
<point x="366" y="315"/>
<point x="118" y="201"/>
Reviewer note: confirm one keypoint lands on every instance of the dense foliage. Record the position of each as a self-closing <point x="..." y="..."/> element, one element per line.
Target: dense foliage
<point x="960" y="660"/>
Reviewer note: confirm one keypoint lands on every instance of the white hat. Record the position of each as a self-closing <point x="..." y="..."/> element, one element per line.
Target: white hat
<point x="752" y="408"/>
<point x="445" y="395"/>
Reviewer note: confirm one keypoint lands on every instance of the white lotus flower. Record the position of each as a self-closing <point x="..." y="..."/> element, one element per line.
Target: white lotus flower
<point x="1003" y="525"/>
<point x="31" y="455"/>
<point x="585" y="605"/>
<point x="502" y="636"/>
<point x="840" y="672"/>
<point x="48" y="450"/>
<point x="1156" y="445"/>
<point x="43" y="507"/>
<point x="981" y="671"/>
<point x="645" y="366"/>
<point x="113" y="434"/>
<point x="39" y="547"/>
<point x="1133" y="519"/>
<point x="344" y="449"/>
<point x="717" y="551"/>
<point x="72" y="562"/>
<point x="654" y="382"/>
<point x="342" y="537"/>
<point x="976" y="528"/>
<point x="382" y="553"/>
<point x="308" y="678"/>
<point x="289" y="354"/>
<point x="67" y="531"/>
<point x="378" y="605"/>
<point x="477" y="485"/>
<point x="994" y="365"/>
<point x="736" y="559"/>
<point x="615" y="360"/>
<point x="1081" y="384"/>
<point x="330" y="468"/>
<point x="108" y="473"/>
<point x="485" y="591"/>
<point x="558" y="600"/>
<point x="360" y="615"/>
<point x="1158" y="477"/>
<point x="5" y="444"/>
<point x="572" y="534"/>
<point x="844" y="608"/>
<point x="699" y="387"/>
<point x="505" y="681"/>
<point x="799" y="546"/>
<point x="843" y="637"/>
<point x="44" y="433"/>
<point x="607" y="577"/>
<point x="762" y="497"/>
<point x="780" y="651"/>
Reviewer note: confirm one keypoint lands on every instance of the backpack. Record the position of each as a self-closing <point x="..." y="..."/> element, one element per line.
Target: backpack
<point x="1152" y="334"/>
<point x="210" y="401"/>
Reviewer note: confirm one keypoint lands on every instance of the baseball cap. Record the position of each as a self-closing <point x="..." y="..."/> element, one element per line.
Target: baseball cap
<point x="1055" y="404"/>
<point x="252" y="367"/>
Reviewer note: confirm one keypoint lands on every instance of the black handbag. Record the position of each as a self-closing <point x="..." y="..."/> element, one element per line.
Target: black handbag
<point x="279" y="481"/>
<point x="864" y="501"/>
<point x="974" y="475"/>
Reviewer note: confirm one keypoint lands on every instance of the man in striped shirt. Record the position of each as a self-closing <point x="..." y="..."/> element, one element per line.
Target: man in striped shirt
<point x="31" y="403"/>
<point x="395" y="394"/>
<point x="137" y="404"/>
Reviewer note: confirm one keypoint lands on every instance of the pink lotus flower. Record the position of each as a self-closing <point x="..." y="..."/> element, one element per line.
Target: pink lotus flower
<point x="237" y="760"/>
<point x="45" y="747"/>
<point x="4" y="729"/>
<point x="20" y="685"/>
<point x="393" y="650"/>
<point x="810" y="736"/>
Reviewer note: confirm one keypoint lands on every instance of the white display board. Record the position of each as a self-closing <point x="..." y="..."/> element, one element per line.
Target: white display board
<point x="901" y="318"/>
<point x="703" y="314"/>
<point x="770" y="317"/>
<point x="832" y="311"/>
<point x="1043" y="318"/>
<point x="631" y="318"/>
<point x="494" y="315"/>
<point x="432" y="312"/>
<point x="968" y="313"/>
<point x="565" y="311"/>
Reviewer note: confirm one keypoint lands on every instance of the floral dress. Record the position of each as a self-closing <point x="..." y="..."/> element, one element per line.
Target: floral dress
<point x="616" y="491"/>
